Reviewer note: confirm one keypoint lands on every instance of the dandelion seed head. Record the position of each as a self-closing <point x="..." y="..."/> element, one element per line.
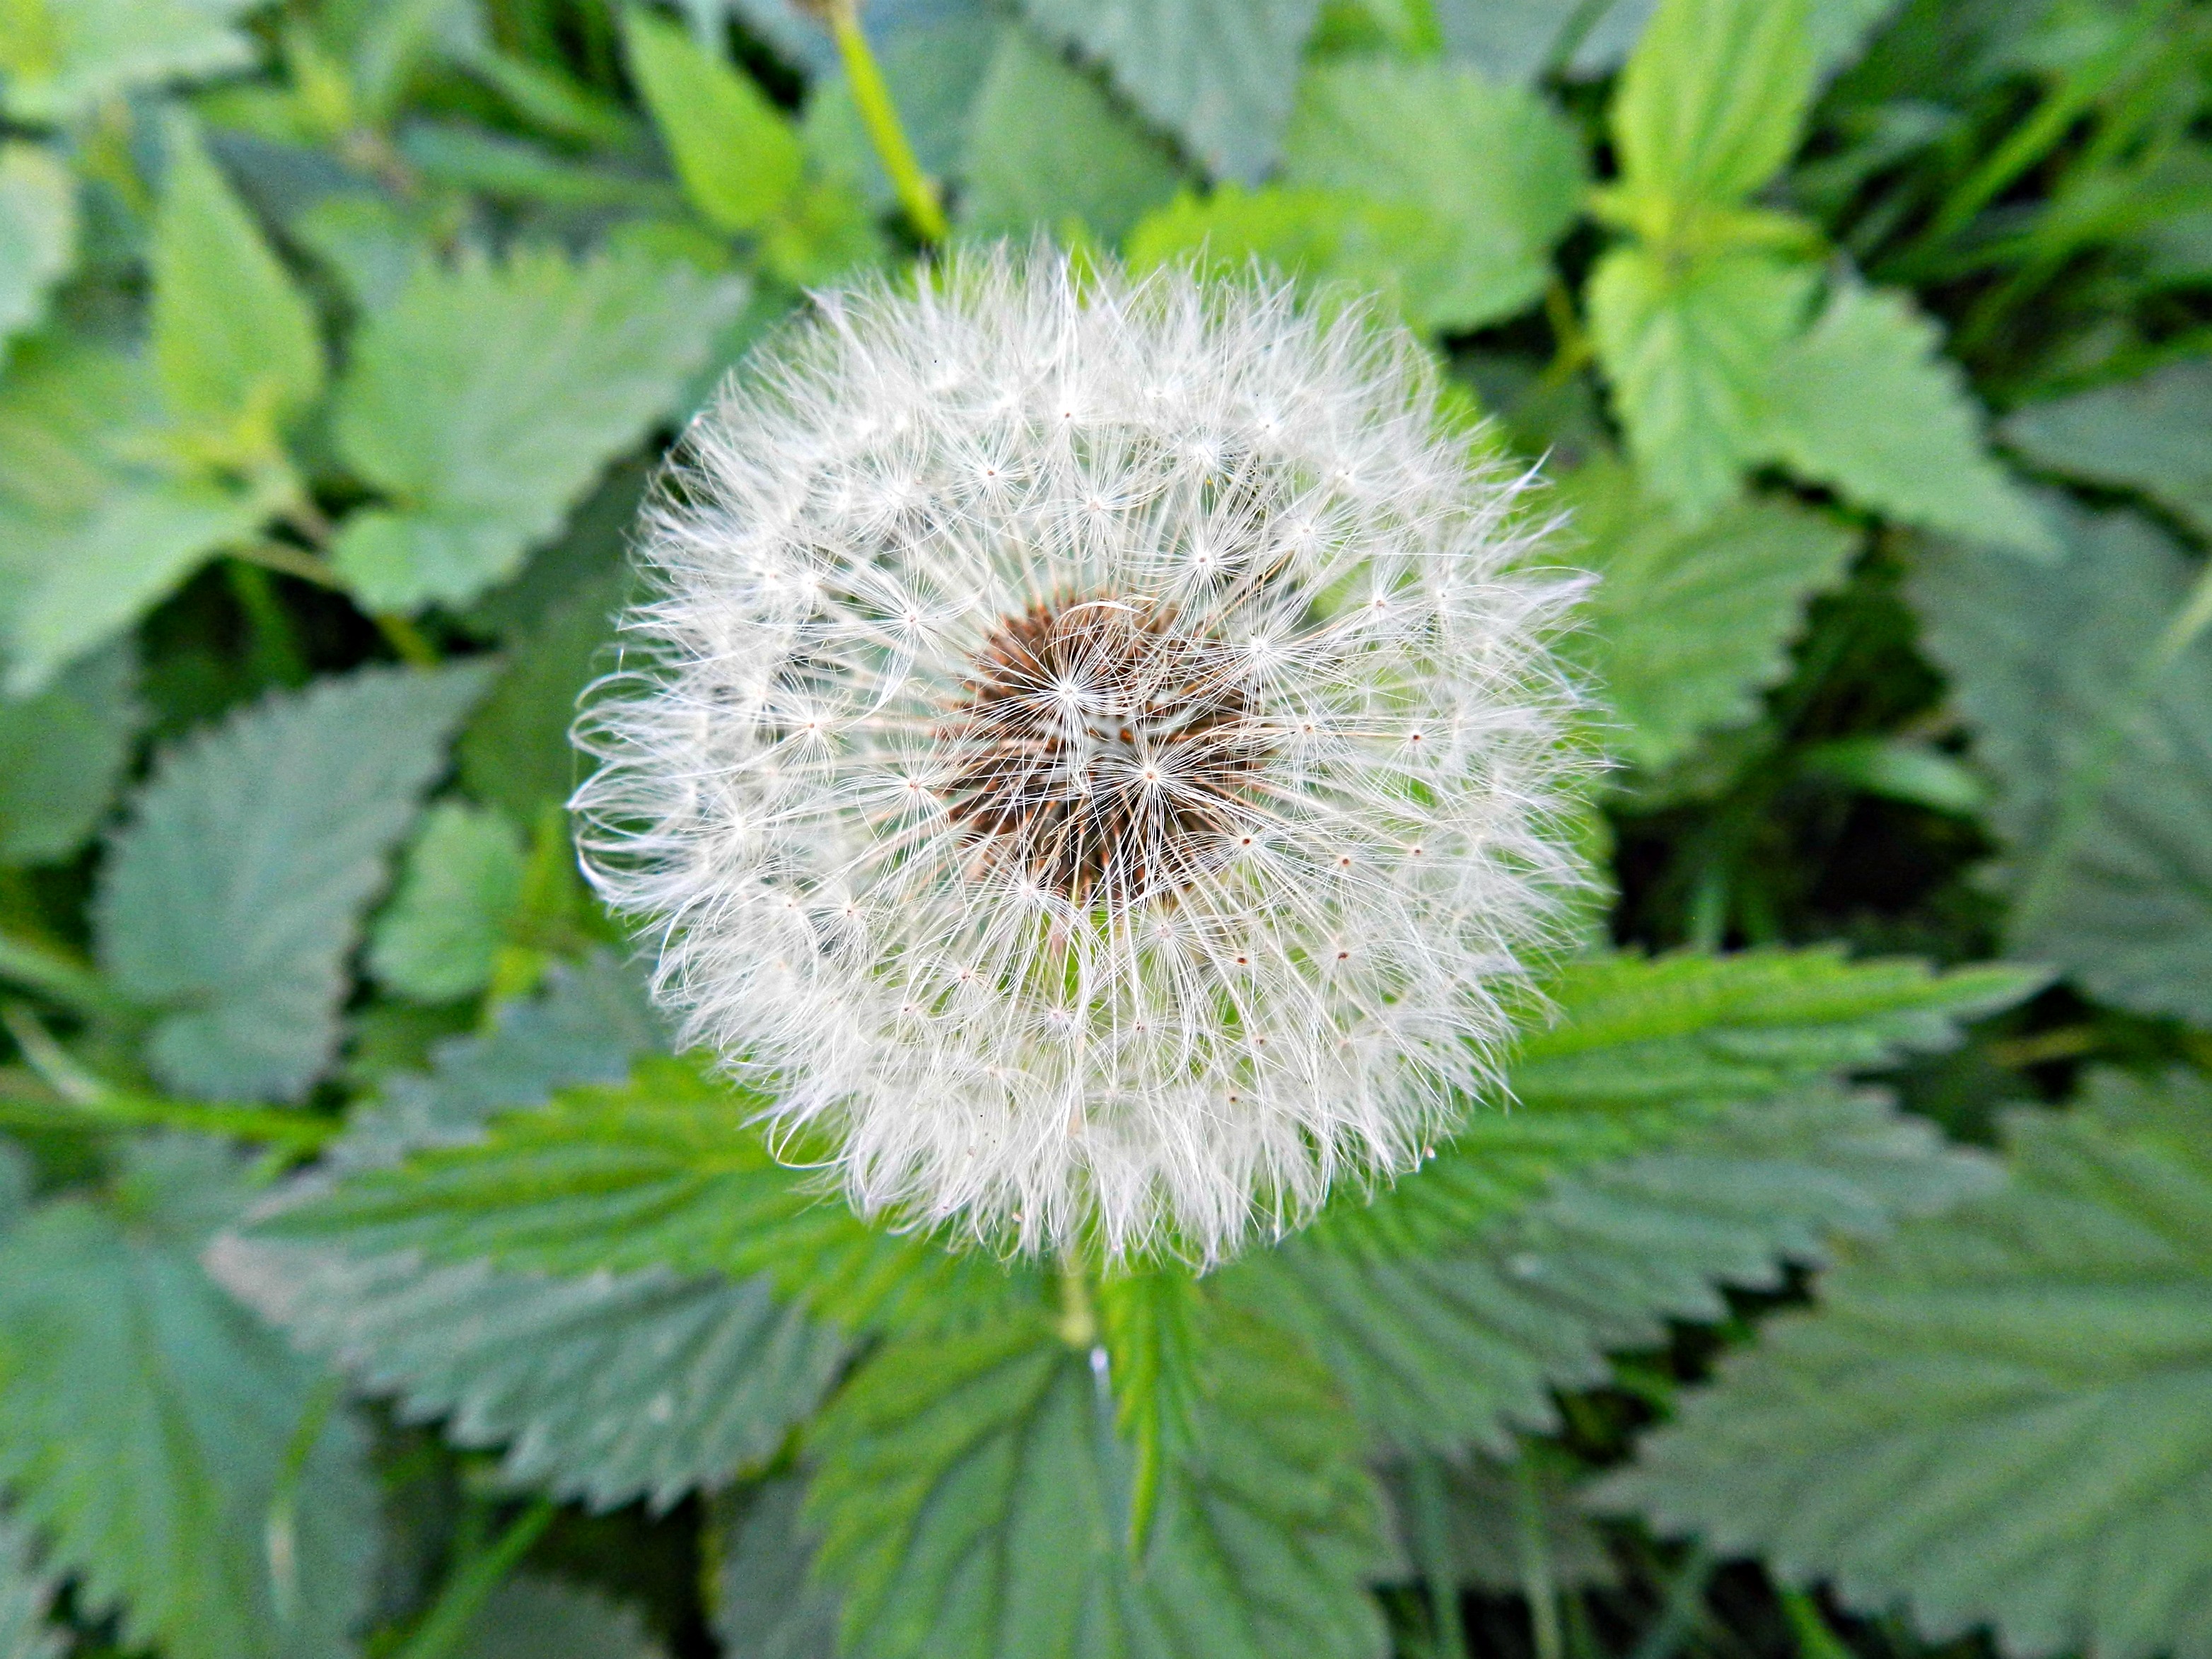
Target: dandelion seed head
<point x="1093" y="750"/>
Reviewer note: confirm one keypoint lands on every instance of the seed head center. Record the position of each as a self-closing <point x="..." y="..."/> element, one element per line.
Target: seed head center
<point x="1103" y="750"/>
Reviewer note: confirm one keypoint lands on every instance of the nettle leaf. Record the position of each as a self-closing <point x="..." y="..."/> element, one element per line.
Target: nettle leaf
<point x="230" y="901"/>
<point x="490" y="396"/>
<point x="2153" y="435"/>
<point x="26" y="1591"/>
<point x="1464" y="1520"/>
<point x="37" y="233"/>
<point x="1686" y="626"/>
<point x="1713" y="98"/>
<point x="235" y="345"/>
<point x="1495" y="175"/>
<point x="737" y="155"/>
<point x="95" y="530"/>
<point x="604" y="1389"/>
<point x="973" y="1499"/>
<point x="668" y="1170"/>
<point x="2001" y="1415"/>
<point x="439" y="937"/>
<point x="1320" y="238"/>
<point x="1865" y="401"/>
<point x="151" y="1427"/>
<point x="58" y="57"/>
<point x="2090" y="690"/>
<point x="1219" y="73"/>
<point x="62" y="754"/>
<point x="766" y="1603"/>
<point x="1044" y="145"/>
<point x="529" y="1616"/>
<point x="1689" y="346"/>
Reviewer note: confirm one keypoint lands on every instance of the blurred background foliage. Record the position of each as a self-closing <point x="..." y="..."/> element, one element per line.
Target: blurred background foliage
<point x="1865" y="344"/>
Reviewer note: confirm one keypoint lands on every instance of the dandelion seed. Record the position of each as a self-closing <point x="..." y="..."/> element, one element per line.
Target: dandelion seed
<point x="1033" y="912"/>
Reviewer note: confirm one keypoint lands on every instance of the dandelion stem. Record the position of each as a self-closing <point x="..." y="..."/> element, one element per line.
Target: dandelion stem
<point x="916" y="194"/>
<point x="1078" y="1320"/>
<point x="406" y="640"/>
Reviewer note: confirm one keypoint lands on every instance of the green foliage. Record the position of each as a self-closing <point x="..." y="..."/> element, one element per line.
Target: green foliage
<point x="2089" y="688"/>
<point x="228" y="903"/>
<point x="2000" y="1414"/>
<point x="529" y="1617"/>
<point x="27" y="1590"/>
<point x="1219" y="73"/>
<point x="1328" y="240"/>
<point x="440" y="936"/>
<point x="738" y="159"/>
<point x="2149" y="435"/>
<point x="486" y="401"/>
<point x="58" y="58"/>
<point x="61" y="755"/>
<point x="972" y="1499"/>
<point x="181" y="1462"/>
<point x="37" y="233"/>
<point x="765" y="1603"/>
<point x="1686" y="625"/>
<point x="1494" y="175"/>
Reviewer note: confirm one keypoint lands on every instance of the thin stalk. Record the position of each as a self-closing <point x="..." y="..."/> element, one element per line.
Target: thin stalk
<point x="1816" y="1638"/>
<point x="1539" y="1585"/>
<point x="276" y="653"/>
<point x="57" y="975"/>
<point x="288" y="561"/>
<point x="1685" y="1603"/>
<point x="467" y="1590"/>
<point x="1424" y="1484"/>
<point x="406" y="640"/>
<point x="916" y="194"/>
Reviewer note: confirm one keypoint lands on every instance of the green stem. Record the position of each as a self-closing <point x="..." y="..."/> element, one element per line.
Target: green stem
<point x="467" y="1590"/>
<point x="277" y="653"/>
<point x="406" y="640"/>
<point x="288" y="561"/>
<point x="57" y="976"/>
<point x="1816" y="1638"/>
<point x="1538" y="1583"/>
<point x="916" y="194"/>
<point x="281" y="1531"/>
<point x="1078" y="1320"/>
<point x="1685" y="1603"/>
<point x="1424" y="1483"/>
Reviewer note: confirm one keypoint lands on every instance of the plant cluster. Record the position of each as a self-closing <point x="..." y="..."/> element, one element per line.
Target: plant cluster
<point x="1793" y="1232"/>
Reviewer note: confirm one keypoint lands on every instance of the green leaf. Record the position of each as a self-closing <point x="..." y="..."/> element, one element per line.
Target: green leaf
<point x="532" y="1617"/>
<point x="37" y="233"/>
<point x="2002" y="1415"/>
<point x="604" y="1389"/>
<point x="489" y="397"/>
<point x="1713" y="98"/>
<point x="230" y="901"/>
<point x="95" y="528"/>
<point x="2088" y="687"/>
<point x="147" y="1423"/>
<point x="1496" y="176"/>
<point x="1219" y="74"/>
<point x="766" y="1604"/>
<point x="58" y="57"/>
<point x="234" y="344"/>
<point x="1866" y="403"/>
<point x="737" y="154"/>
<point x="62" y="754"/>
<point x="1686" y="626"/>
<point x="972" y="1500"/>
<point x="1045" y="145"/>
<point x="1466" y="1342"/>
<point x="1318" y="237"/>
<point x="666" y="1170"/>
<point x="440" y="937"/>
<point x="26" y="1591"/>
<point x="1463" y="1521"/>
<point x="2153" y="435"/>
<point x="1690" y="347"/>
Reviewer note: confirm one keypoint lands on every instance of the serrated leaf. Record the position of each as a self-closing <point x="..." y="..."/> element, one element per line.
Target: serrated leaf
<point x="972" y="1500"/>
<point x="668" y="1170"/>
<point x="766" y="1606"/>
<point x="737" y="155"/>
<point x="1219" y="73"/>
<point x="441" y="935"/>
<point x="1865" y="401"/>
<point x="230" y="901"/>
<point x="2089" y="690"/>
<point x="58" y="58"/>
<point x="2002" y="1415"/>
<point x="1466" y="1341"/>
<point x="532" y="1617"/>
<point x="1495" y="175"/>
<point x="489" y="397"/>
<point x="1713" y="98"/>
<point x="1689" y="347"/>
<point x="1465" y="1515"/>
<point x="37" y="233"/>
<point x="1837" y="29"/>
<point x="1319" y="238"/>
<point x="2153" y="435"/>
<point x="235" y="345"/>
<point x="145" y="1420"/>
<point x="62" y="754"/>
<point x="604" y="1389"/>
<point x="1685" y="625"/>
<point x="94" y="529"/>
<point x="26" y="1591"/>
<point x="1045" y="145"/>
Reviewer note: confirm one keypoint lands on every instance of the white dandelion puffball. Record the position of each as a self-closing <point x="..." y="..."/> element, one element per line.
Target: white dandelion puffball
<point x="1092" y="750"/>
